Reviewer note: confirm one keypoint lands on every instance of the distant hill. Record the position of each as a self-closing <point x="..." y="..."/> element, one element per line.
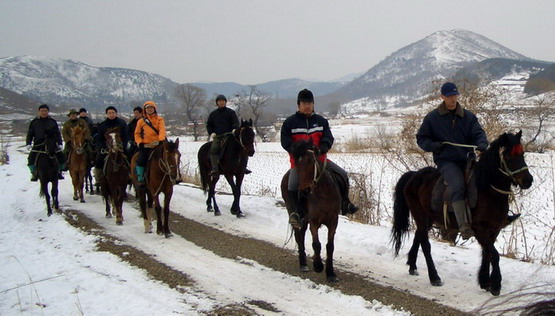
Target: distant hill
<point x="68" y="82"/>
<point x="542" y="81"/>
<point x="11" y="102"/>
<point x="406" y="75"/>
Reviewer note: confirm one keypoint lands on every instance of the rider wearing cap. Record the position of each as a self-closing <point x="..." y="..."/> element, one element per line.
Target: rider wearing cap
<point x="73" y="122"/>
<point x="221" y="122"/>
<point x="305" y="124"/>
<point x="150" y="131"/>
<point x="450" y="122"/>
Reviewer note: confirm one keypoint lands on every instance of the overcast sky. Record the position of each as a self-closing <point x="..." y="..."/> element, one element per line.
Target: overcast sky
<point x="255" y="41"/>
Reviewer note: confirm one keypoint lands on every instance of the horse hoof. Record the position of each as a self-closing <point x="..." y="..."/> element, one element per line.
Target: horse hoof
<point x="217" y="213"/>
<point x="169" y="235"/>
<point x="209" y="210"/>
<point x="304" y="269"/>
<point x="495" y="292"/>
<point x="108" y="215"/>
<point x="49" y="213"/>
<point x="413" y="272"/>
<point x="75" y="198"/>
<point x="83" y="201"/>
<point x="119" y="223"/>
<point x="240" y="214"/>
<point x="437" y="282"/>
<point x="333" y="279"/>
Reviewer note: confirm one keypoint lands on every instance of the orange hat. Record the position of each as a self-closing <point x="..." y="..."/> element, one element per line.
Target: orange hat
<point x="150" y="103"/>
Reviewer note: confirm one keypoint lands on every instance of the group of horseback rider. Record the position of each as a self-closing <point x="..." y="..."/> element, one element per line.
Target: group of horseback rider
<point x="446" y="125"/>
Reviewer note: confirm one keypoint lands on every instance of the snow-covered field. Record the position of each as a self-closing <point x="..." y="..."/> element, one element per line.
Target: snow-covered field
<point x="50" y="268"/>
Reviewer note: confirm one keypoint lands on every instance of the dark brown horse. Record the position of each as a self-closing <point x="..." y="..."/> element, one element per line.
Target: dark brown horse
<point x="499" y="167"/>
<point x="161" y="173"/>
<point x="233" y="163"/>
<point x="115" y="175"/>
<point x="47" y="170"/>
<point x="322" y="201"/>
<point x="78" y="162"/>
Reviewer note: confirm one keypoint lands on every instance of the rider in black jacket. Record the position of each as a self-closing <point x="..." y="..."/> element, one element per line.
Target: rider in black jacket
<point x="112" y="120"/>
<point x="36" y="136"/>
<point x="221" y="122"/>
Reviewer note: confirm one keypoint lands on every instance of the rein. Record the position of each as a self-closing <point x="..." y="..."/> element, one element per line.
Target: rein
<point x="318" y="171"/>
<point x="506" y="171"/>
<point x="165" y="167"/>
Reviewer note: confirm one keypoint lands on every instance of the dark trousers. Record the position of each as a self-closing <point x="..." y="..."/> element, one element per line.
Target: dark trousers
<point x="453" y="175"/>
<point x="143" y="156"/>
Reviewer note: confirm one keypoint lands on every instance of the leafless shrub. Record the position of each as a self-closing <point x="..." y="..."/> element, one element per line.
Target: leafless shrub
<point x="362" y="194"/>
<point x="4" y="145"/>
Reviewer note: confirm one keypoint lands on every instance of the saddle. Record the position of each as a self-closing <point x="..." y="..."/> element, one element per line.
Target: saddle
<point x="224" y="141"/>
<point x="441" y="192"/>
<point x="340" y="181"/>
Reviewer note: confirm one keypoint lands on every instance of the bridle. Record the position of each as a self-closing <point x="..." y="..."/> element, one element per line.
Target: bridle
<point x="239" y="138"/>
<point x="319" y="168"/>
<point x="506" y="170"/>
<point x="166" y="167"/>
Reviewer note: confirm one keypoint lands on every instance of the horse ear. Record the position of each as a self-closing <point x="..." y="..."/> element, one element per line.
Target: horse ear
<point x="177" y="143"/>
<point x="250" y="122"/>
<point x="519" y="135"/>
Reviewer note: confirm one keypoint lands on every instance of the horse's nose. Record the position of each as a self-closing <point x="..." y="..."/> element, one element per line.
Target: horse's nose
<point x="526" y="182"/>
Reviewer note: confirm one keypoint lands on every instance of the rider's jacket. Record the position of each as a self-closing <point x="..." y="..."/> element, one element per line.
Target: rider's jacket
<point x="145" y="134"/>
<point x="69" y="124"/>
<point x="107" y="124"/>
<point x="39" y="127"/>
<point x="221" y="121"/>
<point x="458" y="126"/>
<point x="299" y="127"/>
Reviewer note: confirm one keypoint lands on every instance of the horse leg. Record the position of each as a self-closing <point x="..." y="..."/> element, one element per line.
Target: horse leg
<point x="54" y="192"/>
<point x="118" y="206"/>
<point x="237" y="196"/>
<point x="75" y="182"/>
<point x="495" y="277"/>
<point x="167" y="199"/>
<point x="413" y="255"/>
<point x="158" y="209"/>
<point x="44" y="191"/>
<point x="483" y="273"/>
<point x="330" y="273"/>
<point x="435" y="280"/>
<point x="141" y="195"/>
<point x="233" y="186"/>
<point x="317" y="247"/>
<point x="212" y="195"/>
<point x="299" y="238"/>
<point x="82" y="175"/>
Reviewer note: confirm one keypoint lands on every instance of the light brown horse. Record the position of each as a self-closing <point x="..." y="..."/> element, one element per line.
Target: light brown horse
<point x="322" y="200"/>
<point x="77" y="160"/>
<point x="161" y="173"/>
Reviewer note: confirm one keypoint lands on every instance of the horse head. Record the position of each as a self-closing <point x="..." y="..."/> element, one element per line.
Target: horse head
<point x="307" y="164"/>
<point x="50" y="143"/>
<point x="113" y="140"/>
<point x="245" y="136"/>
<point x="171" y="158"/>
<point x="510" y="154"/>
<point x="78" y="139"/>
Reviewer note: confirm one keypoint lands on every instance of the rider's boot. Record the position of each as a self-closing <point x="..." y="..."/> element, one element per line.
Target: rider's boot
<point x="34" y="176"/>
<point x="140" y="170"/>
<point x="459" y="207"/>
<point x="295" y="212"/>
<point x="214" y="160"/>
<point x="347" y="207"/>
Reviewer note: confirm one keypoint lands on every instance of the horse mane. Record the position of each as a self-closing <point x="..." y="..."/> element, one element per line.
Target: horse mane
<point x="299" y="148"/>
<point x="488" y="164"/>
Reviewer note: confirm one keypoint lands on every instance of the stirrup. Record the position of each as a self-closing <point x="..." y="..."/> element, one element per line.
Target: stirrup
<point x="295" y="220"/>
<point x="60" y="176"/>
<point x="34" y="177"/>
<point x="247" y="171"/>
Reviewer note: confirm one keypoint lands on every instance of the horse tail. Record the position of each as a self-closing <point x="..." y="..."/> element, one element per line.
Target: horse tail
<point x="204" y="176"/>
<point x="400" y="212"/>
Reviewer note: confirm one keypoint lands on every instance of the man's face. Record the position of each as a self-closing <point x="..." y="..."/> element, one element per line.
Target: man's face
<point x="137" y="114"/>
<point x="111" y="114"/>
<point x="221" y="103"/>
<point x="83" y="114"/>
<point x="450" y="101"/>
<point x="306" y="108"/>
<point x="73" y="116"/>
<point x="43" y="113"/>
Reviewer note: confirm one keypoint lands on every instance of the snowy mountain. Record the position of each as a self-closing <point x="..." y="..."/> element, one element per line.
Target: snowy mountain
<point x="63" y="81"/>
<point x="407" y="74"/>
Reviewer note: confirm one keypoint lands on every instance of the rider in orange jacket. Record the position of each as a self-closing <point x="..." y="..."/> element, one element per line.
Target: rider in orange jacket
<point x="150" y="131"/>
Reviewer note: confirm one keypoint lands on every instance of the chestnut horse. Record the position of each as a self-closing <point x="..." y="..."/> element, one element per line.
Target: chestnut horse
<point x="78" y="162"/>
<point x="499" y="167"/>
<point x="321" y="198"/>
<point x="233" y="163"/>
<point x="115" y="175"/>
<point x="162" y="171"/>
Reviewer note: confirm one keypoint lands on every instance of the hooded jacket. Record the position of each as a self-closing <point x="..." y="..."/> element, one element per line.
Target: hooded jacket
<point x="145" y="134"/>
<point x="459" y="126"/>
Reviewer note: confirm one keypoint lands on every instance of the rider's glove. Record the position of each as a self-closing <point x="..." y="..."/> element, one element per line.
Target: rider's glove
<point x="324" y="148"/>
<point x="482" y="147"/>
<point x="60" y="147"/>
<point x="436" y="146"/>
<point x="29" y="147"/>
<point x="212" y="136"/>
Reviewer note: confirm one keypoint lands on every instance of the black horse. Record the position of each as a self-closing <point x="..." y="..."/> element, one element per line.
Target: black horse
<point x="499" y="167"/>
<point x="47" y="170"/>
<point x="321" y="199"/>
<point x="233" y="163"/>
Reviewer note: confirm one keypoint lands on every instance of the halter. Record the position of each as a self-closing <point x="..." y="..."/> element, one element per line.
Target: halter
<point x="506" y="171"/>
<point x="78" y="149"/>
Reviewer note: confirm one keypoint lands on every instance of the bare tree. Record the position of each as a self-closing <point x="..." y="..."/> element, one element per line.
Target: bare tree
<point x="544" y="108"/>
<point x="192" y="99"/>
<point x="250" y="104"/>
